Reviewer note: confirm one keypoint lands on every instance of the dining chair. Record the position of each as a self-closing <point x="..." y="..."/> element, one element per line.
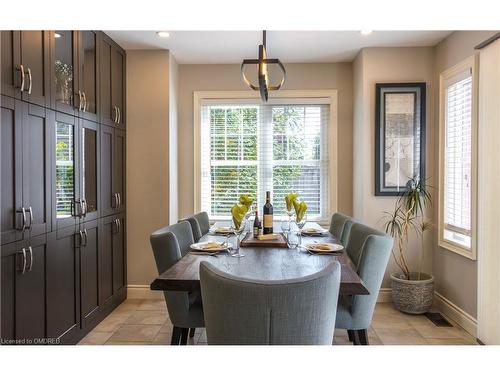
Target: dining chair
<point x="185" y="309"/>
<point x="369" y="251"/>
<point x="200" y="224"/>
<point x="340" y="227"/>
<point x="241" y="311"/>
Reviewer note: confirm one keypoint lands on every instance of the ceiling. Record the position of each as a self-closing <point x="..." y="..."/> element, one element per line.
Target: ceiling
<point x="228" y="47"/>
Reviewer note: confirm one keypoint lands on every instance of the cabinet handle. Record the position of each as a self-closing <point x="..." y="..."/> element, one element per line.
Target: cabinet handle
<point x="84" y="207"/>
<point x="30" y="85"/>
<point x="22" y="211"/>
<point x="119" y="115"/>
<point x="23" y="251"/>
<point x="31" y="258"/>
<point x="80" y="101"/>
<point x="118" y="225"/>
<point x="119" y="200"/>
<point x="84" y="101"/>
<point x="31" y="217"/>
<point x="78" y="208"/>
<point x="20" y="68"/>
<point x="81" y="238"/>
<point x="86" y="235"/>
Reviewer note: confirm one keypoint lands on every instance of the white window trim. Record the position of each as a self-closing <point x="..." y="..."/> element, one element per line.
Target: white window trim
<point x="469" y="63"/>
<point x="329" y="95"/>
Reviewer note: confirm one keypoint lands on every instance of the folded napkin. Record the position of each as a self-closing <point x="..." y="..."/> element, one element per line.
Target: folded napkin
<point x="211" y="245"/>
<point x="289" y="199"/>
<point x="300" y="209"/>
<point x="321" y="246"/>
<point x="238" y="212"/>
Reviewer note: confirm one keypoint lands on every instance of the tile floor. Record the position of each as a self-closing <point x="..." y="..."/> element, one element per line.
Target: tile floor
<point x="146" y="322"/>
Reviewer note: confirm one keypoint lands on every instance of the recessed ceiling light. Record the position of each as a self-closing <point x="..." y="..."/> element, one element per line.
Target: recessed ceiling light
<point x="366" y="32"/>
<point x="57" y="35"/>
<point x="163" y="34"/>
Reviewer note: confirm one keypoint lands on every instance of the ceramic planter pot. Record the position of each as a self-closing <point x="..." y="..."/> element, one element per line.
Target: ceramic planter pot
<point x="413" y="296"/>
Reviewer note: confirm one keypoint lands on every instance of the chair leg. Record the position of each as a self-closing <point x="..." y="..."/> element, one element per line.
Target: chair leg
<point x="191" y="332"/>
<point x="361" y="337"/>
<point x="184" y="336"/>
<point x="176" y="336"/>
<point x="350" y="333"/>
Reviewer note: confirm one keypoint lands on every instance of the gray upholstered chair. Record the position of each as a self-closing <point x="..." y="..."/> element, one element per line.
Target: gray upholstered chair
<point x="200" y="224"/>
<point x="169" y="245"/>
<point x="340" y="227"/>
<point x="254" y="312"/>
<point x="369" y="250"/>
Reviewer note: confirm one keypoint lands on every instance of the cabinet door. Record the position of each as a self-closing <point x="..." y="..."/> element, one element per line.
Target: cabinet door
<point x="108" y="111"/>
<point x="30" y="313"/>
<point x="62" y="291"/>
<point x="89" y="78"/>
<point x="88" y="249"/>
<point x="106" y="228"/>
<point x="108" y="196"/>
<point x="65" y="195"/>
<point x="119" y="168"/>
<point x="35" y="59"/>
<point x="119" y="254"/>
<point x="37" y="150"/>
<point x="9" y="263"/>
<point x="10" y="59"/>
<point x="117" y="83"/>
<point x="11" y="170"/>
<point x="64" y="72"/>
<point x="89" y="168"/>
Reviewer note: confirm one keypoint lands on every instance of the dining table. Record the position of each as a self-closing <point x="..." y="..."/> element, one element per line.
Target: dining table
<point x="262" y="263"/>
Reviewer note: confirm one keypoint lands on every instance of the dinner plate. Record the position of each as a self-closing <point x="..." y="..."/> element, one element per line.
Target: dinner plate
<point x="201" y="246"/>
<point x="313" y="231"/>
<point x="334" y="247"/>
<point x="222" y="231"/>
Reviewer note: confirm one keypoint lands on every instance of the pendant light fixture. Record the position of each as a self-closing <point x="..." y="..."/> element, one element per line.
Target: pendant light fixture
<point x="263" y="74"/>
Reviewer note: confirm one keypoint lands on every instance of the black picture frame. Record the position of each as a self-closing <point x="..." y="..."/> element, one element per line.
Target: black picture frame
<point x="399" y="136"/>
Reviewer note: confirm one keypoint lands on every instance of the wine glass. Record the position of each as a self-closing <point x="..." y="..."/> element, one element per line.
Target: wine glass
<point x="293" y="239"/>
<point x="300" y="224"/>
<point x="285" y="227"/>
<point x="237" y="231"/>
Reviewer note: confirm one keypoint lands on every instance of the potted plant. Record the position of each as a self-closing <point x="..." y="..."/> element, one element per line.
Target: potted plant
<point x="412" y="291"/>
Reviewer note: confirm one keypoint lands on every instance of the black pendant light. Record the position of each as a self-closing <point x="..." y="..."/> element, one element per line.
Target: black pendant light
<point x="263" y="73"/>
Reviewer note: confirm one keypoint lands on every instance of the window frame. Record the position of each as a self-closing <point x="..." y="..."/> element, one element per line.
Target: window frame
<point x="293" y="95"/>
<point x="468" y="63"/>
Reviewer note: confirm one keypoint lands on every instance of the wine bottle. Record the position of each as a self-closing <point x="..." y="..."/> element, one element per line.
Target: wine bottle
<point x="256" y="225"/>
<point x="268" y="214"/>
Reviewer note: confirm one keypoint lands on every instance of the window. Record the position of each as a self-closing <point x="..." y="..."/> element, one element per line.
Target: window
<point x="248" y="147"/>
<point x="457" y="187"/>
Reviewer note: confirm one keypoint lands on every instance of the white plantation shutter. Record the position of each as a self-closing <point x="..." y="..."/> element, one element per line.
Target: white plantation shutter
<point x="252" y="148"/>
<point x="458" y="160"/>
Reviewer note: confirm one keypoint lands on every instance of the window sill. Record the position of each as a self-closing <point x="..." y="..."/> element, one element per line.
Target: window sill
<point x="467" y="253"/>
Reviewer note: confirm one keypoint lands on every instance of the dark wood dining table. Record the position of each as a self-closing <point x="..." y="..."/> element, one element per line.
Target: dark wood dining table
<point x="261" y="263"/>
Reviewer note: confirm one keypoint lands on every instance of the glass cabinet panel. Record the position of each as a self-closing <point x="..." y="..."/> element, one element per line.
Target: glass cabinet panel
<point x="65" y="170"/>
<point x="89" y="62"/>
<point x="64" y="67"/>
<point x="89" y="168"/>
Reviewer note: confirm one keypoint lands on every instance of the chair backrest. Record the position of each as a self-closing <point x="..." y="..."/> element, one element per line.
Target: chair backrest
<point x="340" y="227"/>
<point x="369" y="250"/>
<point x="254" y="312"/>
<point x="169" y="245"/>
<point x="200" y="224"/>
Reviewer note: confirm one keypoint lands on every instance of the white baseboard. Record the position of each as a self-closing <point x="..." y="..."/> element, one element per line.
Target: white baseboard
<point x="142" y="292"/>
<point x="385" y="295"/>
<point x="455" y="313"/>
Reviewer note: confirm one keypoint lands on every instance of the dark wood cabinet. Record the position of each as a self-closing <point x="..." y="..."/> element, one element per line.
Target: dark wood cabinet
<point x="90" y="263"/>
<point x="37" y="142"/>
<point x="62" y="285"/>
<point x="23" y="291"/>
<point x="11" y="169"/>
<point x="62" y="208"/>
<point x="112" y="69"/>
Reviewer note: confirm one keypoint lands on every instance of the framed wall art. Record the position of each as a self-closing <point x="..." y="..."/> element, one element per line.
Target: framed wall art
<point x="399" y="136"/>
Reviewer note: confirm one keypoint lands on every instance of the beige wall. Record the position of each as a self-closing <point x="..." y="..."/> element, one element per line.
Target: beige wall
<point x="379" y="65"/>
<point x="147" y="158"/>
<point x="299" y="77"/>
<point x="173" y="140"/>
<point x="455" y="275"/>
